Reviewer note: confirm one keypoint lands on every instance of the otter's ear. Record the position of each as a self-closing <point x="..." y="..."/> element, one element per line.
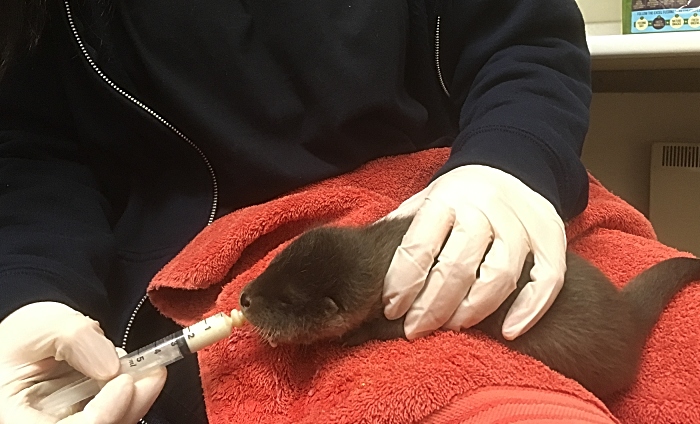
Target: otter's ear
<point x="329" y="306"/>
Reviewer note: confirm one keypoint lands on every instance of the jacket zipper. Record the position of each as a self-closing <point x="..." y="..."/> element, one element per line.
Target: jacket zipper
<point x="437" y="57"/>
<point x="210" y="168"/>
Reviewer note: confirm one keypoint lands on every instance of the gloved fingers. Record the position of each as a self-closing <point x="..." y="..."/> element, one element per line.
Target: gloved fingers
<point x="62" y="375"/>
<point x="548" y="239"/>
<point x="408" y="207"/>
<point x="49" y="329"/>
<point x="532" y="303"/>
<point x="25" y="414"/>
<point x="109" y="406"/>
<point x="547" y="274"/>
<point x="87" y="350"/>
<point x="27" y="381"/>
<point x="498" y="277"/>
<point x="537" y="296"/>
<point x="19" y="397"/>
<point x="131" y="400"/>
<point x="147" y="390"/>
<point x="452" y="276"/>
<point x="415" y="256"/>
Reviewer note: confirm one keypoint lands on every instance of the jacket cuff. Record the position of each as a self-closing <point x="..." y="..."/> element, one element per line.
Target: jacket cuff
<point x="24" y="286"/>
<point x="522" y="155"/>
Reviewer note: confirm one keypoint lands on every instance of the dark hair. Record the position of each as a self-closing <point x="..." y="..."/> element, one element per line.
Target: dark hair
<point x="21" y="24"/>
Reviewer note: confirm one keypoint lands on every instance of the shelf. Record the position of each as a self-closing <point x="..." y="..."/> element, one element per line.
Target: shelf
<point x="671" y="50"/>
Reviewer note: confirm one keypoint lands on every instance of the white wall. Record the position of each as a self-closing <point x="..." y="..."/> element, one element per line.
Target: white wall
<point x="623" y="127"/>
<point x="633" y="109"/>
<point x="603" y="17"/>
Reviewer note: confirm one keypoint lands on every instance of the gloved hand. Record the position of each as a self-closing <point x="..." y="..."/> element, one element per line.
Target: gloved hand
<point x="37" y="339"/>
<point x="466" y="209"/>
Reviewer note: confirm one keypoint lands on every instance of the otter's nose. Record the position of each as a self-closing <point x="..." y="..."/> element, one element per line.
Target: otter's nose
<point x="245" y="301"/>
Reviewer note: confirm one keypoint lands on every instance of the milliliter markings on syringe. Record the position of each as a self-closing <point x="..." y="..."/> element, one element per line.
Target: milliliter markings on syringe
<point x="161" y="353"/>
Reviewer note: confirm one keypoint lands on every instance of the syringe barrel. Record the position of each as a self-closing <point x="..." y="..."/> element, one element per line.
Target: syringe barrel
<point x="178" y="345"/>
<point x="159" y="354"/>
<point x="209" y="331"/>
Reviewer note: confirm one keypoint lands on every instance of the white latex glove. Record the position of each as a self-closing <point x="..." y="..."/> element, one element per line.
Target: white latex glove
<point x="36" y="340"/>
<point x="466" y="209"/>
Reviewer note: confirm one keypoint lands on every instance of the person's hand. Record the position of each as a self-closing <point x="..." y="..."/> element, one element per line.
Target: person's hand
<point x="43" y="344"/>
<point x="466" y="209"/>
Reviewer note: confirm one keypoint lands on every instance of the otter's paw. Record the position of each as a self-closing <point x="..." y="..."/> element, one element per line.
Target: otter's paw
<point x="377" y="329"/>
<point x="356" y="337"/>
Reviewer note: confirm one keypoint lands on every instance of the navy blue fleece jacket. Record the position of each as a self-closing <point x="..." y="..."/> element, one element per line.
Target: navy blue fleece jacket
<point x="133" y="125"/>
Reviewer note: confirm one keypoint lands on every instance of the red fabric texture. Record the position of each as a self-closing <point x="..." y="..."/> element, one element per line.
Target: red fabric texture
<point x="510" y="405"/>
<point x="443" y="378"/>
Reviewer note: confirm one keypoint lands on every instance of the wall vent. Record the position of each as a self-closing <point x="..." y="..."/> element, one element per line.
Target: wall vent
<point x="684" y="156"/>
<point x="674" y="196"/>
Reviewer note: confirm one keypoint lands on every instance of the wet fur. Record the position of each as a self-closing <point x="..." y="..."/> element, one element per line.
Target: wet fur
<point x="328" y="284"/>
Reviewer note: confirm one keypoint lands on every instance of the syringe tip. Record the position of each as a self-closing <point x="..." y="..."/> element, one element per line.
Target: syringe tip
<point x="237" y="317"/>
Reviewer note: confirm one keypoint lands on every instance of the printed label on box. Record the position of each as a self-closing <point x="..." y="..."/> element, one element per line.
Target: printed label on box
<point x="665" y="16"/>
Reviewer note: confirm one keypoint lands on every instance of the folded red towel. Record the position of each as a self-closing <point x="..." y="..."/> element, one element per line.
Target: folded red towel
<point x="510" y="405"/>
<point x="446" y="377"/>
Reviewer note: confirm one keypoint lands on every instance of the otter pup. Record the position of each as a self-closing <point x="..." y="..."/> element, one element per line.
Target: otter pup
<point x="328" y="284"/>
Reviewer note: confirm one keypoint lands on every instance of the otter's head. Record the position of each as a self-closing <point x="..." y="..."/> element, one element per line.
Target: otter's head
<point x="316" y="288"/>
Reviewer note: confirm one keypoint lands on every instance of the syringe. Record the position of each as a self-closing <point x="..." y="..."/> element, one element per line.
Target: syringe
<point x="163" y="352"/>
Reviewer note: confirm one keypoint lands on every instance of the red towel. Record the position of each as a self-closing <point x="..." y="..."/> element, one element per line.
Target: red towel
<point x="444" y="378"/>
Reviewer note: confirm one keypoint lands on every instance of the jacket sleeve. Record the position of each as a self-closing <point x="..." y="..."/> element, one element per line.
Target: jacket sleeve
<point x="55" y="238"/>
<point x="519" y="70"/>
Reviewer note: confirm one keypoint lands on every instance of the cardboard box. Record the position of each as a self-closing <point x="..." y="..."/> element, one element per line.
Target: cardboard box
<point x="651" y="16"/>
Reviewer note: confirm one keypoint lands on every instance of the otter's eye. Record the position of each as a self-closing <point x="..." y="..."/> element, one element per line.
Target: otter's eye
<point x="330" y="306"/>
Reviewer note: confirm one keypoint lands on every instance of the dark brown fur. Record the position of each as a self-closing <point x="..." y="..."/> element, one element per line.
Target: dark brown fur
<point x="328" y="284"/>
